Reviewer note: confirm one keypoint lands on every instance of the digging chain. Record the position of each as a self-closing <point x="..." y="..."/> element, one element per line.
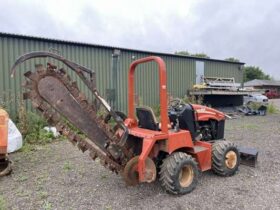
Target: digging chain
<point x="56" y="119"/>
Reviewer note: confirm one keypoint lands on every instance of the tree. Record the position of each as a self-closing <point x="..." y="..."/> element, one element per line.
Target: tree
<point x="200" y="55"/>
<point x="232" y="59"/>
<point x="186" y="53"/>
<point x="254" y="72"/>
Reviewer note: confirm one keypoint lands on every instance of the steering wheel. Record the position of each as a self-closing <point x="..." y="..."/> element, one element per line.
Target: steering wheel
<point x="176" y="104"/>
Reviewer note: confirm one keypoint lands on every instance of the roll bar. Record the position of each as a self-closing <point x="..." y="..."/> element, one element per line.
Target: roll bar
<point x="162" y="89"/>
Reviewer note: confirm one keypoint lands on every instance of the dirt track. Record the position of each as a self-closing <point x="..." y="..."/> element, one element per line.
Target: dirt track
<point x="58" y="176"/>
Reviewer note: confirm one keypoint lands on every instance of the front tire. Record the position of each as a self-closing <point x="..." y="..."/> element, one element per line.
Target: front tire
<point x="225" y="158"/>
<point x="179" y="173"/>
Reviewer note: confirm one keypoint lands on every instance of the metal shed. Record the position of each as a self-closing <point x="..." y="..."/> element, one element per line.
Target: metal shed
<point x="263" y="84"/>
<point x="111" y="66"/>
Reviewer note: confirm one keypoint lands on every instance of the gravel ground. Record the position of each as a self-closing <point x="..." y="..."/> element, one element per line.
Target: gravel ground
<point x="58" y="176"/>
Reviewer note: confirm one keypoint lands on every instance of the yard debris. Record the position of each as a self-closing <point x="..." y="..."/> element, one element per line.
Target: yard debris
<point x="248" y="111"/>
<point x="52" y="130"/>
<point x="14" y="137"/>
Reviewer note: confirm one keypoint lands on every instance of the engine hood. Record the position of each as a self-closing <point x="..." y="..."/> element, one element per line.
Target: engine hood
<point x="205" y="113"/>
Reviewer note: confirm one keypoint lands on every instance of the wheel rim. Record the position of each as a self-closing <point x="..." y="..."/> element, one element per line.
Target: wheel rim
<point x="231" y="159"/>
<point x="131" y="174"/>
<point x="186" y="176"/>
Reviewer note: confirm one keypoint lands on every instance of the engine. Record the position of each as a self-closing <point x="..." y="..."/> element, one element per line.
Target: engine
<point x="204" y="123"/>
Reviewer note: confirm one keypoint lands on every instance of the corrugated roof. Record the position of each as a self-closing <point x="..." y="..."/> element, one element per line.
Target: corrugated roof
<point x="109" y="47"/>
<point x="258" y="82"/>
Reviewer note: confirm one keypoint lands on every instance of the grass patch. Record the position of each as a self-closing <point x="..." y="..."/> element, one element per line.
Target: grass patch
<point x="47" y="205"/>
<point x="3" y="205"/>
<point x="27" y="148"/>
<point x="67" y="166"/>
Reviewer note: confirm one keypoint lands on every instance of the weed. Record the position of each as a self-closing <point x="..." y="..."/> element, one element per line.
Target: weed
<point x="2" y="203"/>
<point x="22" y="178"/>
<point x="43" y="194"/>
<point x="156" y="110"/>
<point x="39" y="187"/>
<point x="193" y="99"/>
<point x="47" y="205"/>
<point x="22" y="122"/>
<point x="67" y="166"/>
<point x="139" y="100"/>
<point x="31" y="126"/>
<point x="272" y="109"/>
<point x="108" y="207"/>
<point x="102" y="111"/>
<point x="34" y="132"/>
<point x="254" y="105"/>
<point x="7" y="100"/>
<point x="39" y="182"/>
<point x="104" y="176"/>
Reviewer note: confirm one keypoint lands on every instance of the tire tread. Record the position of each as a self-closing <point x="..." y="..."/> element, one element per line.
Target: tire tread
<point x="219" y="149"/>
<point x="168" y="171"/>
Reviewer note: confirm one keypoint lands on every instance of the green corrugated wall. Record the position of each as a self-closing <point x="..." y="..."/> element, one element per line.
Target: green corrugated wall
<point x="180" y="70"/>
<point x="215" y="69"/>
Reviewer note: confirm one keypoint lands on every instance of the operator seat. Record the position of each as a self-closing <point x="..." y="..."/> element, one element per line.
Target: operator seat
<point x="187" y="120"/>
<point x="146" y="118"/>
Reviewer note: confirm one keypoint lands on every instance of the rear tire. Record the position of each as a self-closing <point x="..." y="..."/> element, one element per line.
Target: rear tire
<point x="225" y="158"/>
<point x="179" y="173"/>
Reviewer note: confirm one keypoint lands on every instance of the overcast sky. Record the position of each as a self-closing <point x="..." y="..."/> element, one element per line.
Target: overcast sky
<point x="246" y="29"/>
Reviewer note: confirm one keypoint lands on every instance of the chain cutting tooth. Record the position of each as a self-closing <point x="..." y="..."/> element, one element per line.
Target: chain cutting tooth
<point x="28" y="73"/>
<point x="27" y="84"/>
<point x="62" y="71"/>
<point x="26" y="95"/>
<point x="66" y="79"/>
<point x="51" y="66"/>
<point x="93" y="155"/>
<point x="82" y="146"/>
<point x="36" y="103"/>
<point x="39" y="68"/>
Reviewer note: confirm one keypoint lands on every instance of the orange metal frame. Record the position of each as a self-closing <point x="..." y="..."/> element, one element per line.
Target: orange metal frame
<point x="205" y="113"/>
<point x="162" y="90"/>
<point x="169" y="140"/>
<point x="4" y="119"/>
